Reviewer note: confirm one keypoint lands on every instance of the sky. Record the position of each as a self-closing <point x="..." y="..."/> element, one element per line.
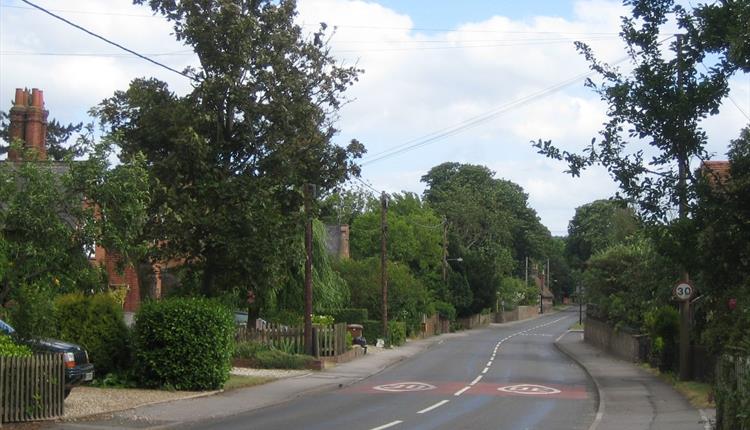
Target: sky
<point x="474" y="81"/>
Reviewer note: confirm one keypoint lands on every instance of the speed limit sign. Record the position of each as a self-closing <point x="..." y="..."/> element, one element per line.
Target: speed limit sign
<point x="683" y="291"/>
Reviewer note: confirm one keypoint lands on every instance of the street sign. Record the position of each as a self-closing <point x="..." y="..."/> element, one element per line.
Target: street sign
<point x="529" y="389"/>
<point x="404" y="387"/>
<point x="683" y="291"/>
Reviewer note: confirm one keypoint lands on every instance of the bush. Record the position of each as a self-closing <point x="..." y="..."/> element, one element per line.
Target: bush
<point x="8" y="348"/>
<point x="32" y="314"/>
<point x="446" y="310"/>
<point x="372" y="330"/>
<point x="397" y="332"/>
<point x="276" y="359"/>
<point x="249" y="349"/>
<point x="96" y="323"/>
<point x="663" y="326"/>
<point x="350" y="315"/>
<point x="185" y="344"/>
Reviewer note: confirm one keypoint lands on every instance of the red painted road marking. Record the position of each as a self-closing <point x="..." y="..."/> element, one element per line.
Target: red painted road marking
<point x="573" y="392"/>
<point x="404" y="387"/>
<point x="529" y="390"/>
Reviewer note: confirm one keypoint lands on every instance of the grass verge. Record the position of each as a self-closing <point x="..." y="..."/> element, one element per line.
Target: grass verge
<point x="576" y="326"/>
<point x="240" y="381"/>
<point x="699" y="394"/>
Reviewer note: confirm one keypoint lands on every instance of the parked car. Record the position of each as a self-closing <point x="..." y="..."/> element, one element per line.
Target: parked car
<point x="78" y="370"/>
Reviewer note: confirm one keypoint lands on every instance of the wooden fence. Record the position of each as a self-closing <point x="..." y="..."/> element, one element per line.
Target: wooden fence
<point x="31" y="388"/>
<point x="733" y="393"/>
<point x="328" y="341"/>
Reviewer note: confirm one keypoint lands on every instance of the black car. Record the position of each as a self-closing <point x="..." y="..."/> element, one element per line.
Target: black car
<point x="78" y="370"/>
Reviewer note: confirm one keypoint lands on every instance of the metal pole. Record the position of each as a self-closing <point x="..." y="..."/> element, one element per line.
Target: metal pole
<point x="308" y="269"/>
<point x="384" y="262"/>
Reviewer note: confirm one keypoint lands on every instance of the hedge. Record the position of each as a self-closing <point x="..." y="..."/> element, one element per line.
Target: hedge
<point x="372" y="330"/>
<point x="183" y="343"/>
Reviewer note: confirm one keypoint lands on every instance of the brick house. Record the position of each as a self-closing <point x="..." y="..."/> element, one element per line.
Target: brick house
<point x="28" y="122"/>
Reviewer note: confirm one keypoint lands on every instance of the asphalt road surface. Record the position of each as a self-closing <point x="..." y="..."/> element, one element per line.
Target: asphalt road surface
<point x="501" y="377"/>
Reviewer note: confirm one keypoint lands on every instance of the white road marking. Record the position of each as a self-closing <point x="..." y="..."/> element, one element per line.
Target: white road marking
<point x="485" y="370"/>
<point x="489" y="363"/>
<point x="435" y="406"/>
<point x="477" y="379"/>
<point x="391" y="424"/>
<point x="461" y="391"/>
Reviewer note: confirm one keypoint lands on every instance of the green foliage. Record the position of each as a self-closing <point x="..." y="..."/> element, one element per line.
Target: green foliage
<point x="96" y="323"/>
<point x="445" y="310"/>
<point x="514" y="292"/>
<point x="32" y="312"/>
<point x="408" y="298"/>
<point x="663" y="326"/>
<point x="322" y="319"/>
<point x="732" y="396"/>
<point x="396" y="333"/>
<point x="8" y="348"/>
<point x="626" y="280"/>
<point x="183" y="343"/>
<point x="351" y="315"/>
<point x="227" y="162"/>
<point x="372" y="330"/>
<point x="248" y="349"/>
<point x="45" y="229"/>
<point x="276" y="359"/>
<point x="491" y="227"/>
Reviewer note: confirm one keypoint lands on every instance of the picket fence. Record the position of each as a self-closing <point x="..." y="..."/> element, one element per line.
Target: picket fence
<point x="733" y="393"/>
<point x="328" y="341"/>
<point x="31" y="388"/>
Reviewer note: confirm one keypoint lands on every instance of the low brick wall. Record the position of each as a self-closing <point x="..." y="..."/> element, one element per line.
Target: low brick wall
<point x="517" y="314"/>
<point x="627" y="346"/>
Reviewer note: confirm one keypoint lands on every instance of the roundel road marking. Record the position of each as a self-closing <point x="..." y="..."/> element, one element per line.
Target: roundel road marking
<point x="404" y="387"/>
<point x="529" y="390"/>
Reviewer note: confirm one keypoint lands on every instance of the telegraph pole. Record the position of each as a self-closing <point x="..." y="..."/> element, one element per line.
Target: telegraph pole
<point x="384" y="262"/>
<point x="308" y="192"/>
<point x="445" y="252"/>
<point x="682" y="165"/>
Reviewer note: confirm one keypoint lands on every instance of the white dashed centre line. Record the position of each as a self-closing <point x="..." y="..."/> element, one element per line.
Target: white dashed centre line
<point x="477" y="379"/>
<point x="461" y="391"/>
<point x="391" y="424"/>
<point x="435" y="406"/>
<point x="485" y="370"/>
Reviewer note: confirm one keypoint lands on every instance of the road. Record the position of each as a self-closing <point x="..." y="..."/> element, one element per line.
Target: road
<point x="501" y="377"/>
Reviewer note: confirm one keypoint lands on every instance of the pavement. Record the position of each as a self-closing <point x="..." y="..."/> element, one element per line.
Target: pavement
<point x="627" y="396"/>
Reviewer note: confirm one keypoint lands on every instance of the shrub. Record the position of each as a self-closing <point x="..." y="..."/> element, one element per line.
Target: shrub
<point x="32" y="314"/>
<point x="372" y="330"/>
<point x="183" y="343"/>
<point x="351" y="315"/>
<point x="445" y="310"/>
<point x="247" y="350"/>
<point x="275" y="359"/>
<point x="663" y="326"/>
<point x="8" y="348"/>
<point x="96" y="323"/>
<point x="322" y="319"/>
<point x="397" y="332"/>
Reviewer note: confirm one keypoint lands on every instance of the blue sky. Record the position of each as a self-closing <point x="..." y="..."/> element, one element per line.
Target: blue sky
<point x="500" y="57"/>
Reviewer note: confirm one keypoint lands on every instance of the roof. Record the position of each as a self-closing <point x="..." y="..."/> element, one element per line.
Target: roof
<point x="716" y="171"/>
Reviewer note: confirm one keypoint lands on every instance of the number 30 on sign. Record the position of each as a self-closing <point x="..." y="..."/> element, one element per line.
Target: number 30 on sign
<point x="683" y="291"/>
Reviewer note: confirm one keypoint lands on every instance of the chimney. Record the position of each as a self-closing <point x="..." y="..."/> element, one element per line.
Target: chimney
<point x="28" y="122"/>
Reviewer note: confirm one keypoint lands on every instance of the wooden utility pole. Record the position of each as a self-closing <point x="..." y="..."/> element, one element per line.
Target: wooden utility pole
<point x="445" y="252"/>
<point x="384" y="262"/>
<point x="308" y="193"/>
<point x="683" y="166"/>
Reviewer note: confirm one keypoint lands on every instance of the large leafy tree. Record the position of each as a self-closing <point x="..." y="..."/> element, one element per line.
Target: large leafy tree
<point x="595" y="227"/>
<point x="491" y="226"/>
<point x="722" y="27"/>
<point x="228" y="161"/>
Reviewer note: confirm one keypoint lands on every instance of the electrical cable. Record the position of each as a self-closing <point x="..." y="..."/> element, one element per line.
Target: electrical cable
<point x="109" y="41"/>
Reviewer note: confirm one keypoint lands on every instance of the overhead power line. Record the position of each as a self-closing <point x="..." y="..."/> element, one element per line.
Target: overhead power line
<point x="479" y="119"/>
<point x="109" y="41"/>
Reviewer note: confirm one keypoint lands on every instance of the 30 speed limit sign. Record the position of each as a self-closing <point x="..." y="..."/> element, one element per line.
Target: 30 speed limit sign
<point x="683" y="291"/>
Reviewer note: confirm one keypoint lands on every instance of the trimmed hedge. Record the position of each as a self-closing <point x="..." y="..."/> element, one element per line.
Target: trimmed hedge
<point x="351" y="315"/>
<point x="183" y="343"/>
<point x="96" y="323"/>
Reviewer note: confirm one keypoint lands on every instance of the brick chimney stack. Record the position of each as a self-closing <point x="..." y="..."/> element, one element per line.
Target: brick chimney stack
<point x="28" y="122"/>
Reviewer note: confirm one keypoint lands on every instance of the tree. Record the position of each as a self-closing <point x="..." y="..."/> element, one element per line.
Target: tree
<point x="345" y="205"/>
<point x="54" y="213"/>
<point x="653" y="129"/>
<point x="597" y="226"/>
<point x="722" y="28"/>
<point x="228" y="161"/>
<point x="490" y="224"/>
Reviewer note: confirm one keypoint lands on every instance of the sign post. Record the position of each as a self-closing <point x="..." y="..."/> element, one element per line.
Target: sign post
<point x="683" y="292"/>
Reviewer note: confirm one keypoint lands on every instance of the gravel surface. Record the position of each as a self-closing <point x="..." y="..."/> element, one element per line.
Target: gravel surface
<point x="268" y="373"/>
<point x="84" y="401"/>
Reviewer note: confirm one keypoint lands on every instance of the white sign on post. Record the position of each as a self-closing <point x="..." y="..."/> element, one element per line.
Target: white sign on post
<point x="683" y="291"/>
